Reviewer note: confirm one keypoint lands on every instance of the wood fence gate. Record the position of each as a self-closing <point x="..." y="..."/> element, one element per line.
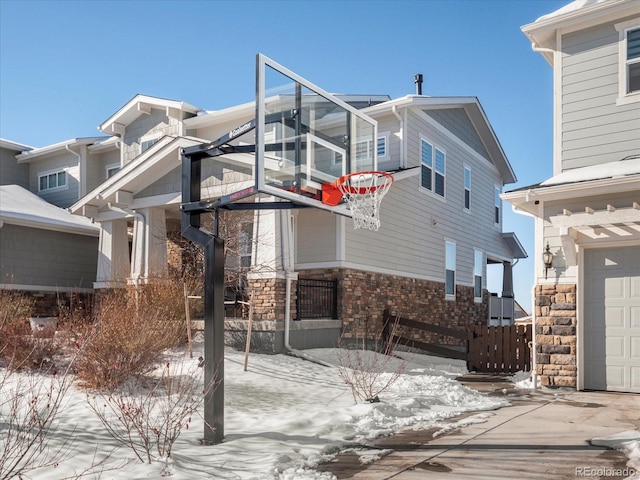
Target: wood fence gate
<point x="489" y="349"/>
<point x="505" y="349"/>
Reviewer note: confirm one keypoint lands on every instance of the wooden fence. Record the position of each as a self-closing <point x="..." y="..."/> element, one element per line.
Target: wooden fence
<point x="389" y="336"/>
<point x="504" y="349"/>
<point x="495" y="349"/>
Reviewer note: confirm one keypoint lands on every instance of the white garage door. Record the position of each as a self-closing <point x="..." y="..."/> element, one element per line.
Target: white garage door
<point x="612" y="319"/>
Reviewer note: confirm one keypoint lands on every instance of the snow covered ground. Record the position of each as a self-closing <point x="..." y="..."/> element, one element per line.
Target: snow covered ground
<point x="283" y="417"/>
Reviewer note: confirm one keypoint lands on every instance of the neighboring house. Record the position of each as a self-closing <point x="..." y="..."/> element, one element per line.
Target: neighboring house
<point x="587" y="302"/>
<point x="441" y="221"/>
<point x="45" y="251"/>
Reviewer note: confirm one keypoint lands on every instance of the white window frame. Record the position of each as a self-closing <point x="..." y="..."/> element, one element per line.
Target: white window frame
<point x="466" y="189"/>
<point x="384" y="137"/>
<point x="151" y="137"/>
<point x="625" y="97"/>
<point x="434" y="172"/>
<point x="109" y="168"/>
<point x="449" y="266"/>
<point x="57" y="173"/>
<point x="497" y="206"/>
<point x="478" y="274"/>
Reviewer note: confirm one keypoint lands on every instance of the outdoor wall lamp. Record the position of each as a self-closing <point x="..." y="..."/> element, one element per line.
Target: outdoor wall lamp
<point x="547" y="260"/>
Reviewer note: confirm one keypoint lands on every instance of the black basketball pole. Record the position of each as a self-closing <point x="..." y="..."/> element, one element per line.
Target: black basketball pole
<point x="213" y="247"/>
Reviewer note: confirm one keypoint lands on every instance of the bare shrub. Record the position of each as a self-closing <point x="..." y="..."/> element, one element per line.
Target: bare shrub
<point x="368" y="373"/>
<point x="29" y="406"/>
<point x="19" y="347"/>
<point x="131" y="330"/>
<point x="149" y="414"/>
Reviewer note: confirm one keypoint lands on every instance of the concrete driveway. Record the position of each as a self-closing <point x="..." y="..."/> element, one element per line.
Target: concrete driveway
<point x="543" y="435"/>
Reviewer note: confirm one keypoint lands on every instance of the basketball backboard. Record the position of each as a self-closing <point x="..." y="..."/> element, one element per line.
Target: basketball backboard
<point x="306" y="137"/>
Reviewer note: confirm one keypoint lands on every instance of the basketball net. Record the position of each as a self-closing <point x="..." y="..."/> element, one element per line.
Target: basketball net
<point x="363" y="192"/>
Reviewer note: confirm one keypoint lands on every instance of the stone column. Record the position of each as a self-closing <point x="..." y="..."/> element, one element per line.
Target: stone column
<point x="113" y="254"/>
<point x="555" y="331"/>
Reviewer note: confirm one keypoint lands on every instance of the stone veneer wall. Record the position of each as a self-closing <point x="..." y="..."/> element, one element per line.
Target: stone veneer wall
<point x="556" y="335"/>
<point x="363" y="296"/>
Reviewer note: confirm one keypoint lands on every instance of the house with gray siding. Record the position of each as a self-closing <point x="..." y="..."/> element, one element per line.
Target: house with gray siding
<point x="442" y="219"/>
<point x="587" y="216"/>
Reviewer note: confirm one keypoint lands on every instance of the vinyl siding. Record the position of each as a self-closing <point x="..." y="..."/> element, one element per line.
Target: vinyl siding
<point x="64" y="161"/>
<point x="11" y="173"/>
<point x="32" y="256"/>
<point x="458" y="123"/>
<point x="408" y="241"/>
<point x="155" y="122"/>
<point x="97" y="167"/>
<point x="315" y="235"/>
<point x="594" y="129"/>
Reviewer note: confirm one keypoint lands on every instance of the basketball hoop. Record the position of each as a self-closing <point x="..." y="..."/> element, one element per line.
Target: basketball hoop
<point x="363" y="192"/>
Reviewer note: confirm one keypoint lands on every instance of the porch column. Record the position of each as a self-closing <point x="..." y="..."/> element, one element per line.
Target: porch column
<point x="113" y="254"/>
<point x="507" y="280"/>
<point x="149" y="254"/>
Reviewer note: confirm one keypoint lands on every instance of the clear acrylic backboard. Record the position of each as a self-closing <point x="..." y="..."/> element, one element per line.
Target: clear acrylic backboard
<point x="306" y="137"/>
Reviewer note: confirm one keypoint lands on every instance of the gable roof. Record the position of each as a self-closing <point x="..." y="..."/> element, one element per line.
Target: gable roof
<point x="476" y="115"/>
<point x="16" y="147"/>
<point x="19" y="206"/>
<point x="150" y="166"/>
<point x="139" y="105"/>
<point x="573" y="16"/>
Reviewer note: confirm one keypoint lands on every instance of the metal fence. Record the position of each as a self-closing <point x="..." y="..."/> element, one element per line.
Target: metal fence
<point x="316" y="299"/>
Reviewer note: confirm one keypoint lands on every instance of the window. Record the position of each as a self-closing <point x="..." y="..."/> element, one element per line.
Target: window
<point x="450" y="269"/>
<point x="245" y="242"/>
<point x="433" y="168"/>
<point x="628" y="62"/>
<point x="426" y="156"/>
<point x="633" y="61"/>
<point x="382" y="147"/>
<point x="478" y="266"/>
<point x="112" y="170"/>
<point x="467" y="188"/>
<point x="148" y="141"/>
<point x="52" y="180"/>
<point x="497" y="206"/>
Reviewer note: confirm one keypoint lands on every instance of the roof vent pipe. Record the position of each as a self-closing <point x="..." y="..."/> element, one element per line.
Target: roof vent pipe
<point x="418" y="81"/>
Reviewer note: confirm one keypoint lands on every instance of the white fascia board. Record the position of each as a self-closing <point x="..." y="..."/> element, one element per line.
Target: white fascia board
<point x="217" y="116"/>
<point x="138" y="105"/>
<point x="26" y="157"/>
<point x="576" y="16"/>
<point x="116" y="182"/>
<point x="16" y="147"/>
<point x="525" y="199"/>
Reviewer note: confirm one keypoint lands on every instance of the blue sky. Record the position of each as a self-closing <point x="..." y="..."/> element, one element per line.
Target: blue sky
<point x="66" y="66"/>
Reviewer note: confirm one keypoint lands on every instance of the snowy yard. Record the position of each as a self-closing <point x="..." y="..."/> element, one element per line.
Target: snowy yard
<point x="283" y="417"/>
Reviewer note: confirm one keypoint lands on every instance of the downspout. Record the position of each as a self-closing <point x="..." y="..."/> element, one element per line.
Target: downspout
<point x="142" y="219"/>
<point x="285" y="242"/>
<point x="394" y="109"/>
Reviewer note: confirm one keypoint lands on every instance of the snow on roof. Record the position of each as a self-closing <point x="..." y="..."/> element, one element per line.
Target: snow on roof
<point x="621" y="168"/>
<point x="21" y="207"/>
<point x="18" y="147"/>
<point x="571" y="7"/>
